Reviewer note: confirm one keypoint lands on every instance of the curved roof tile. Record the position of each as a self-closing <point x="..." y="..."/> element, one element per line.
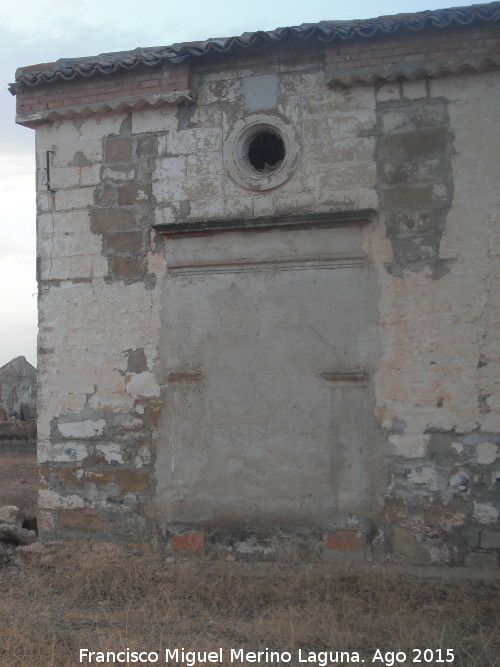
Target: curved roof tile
<point x="326" y="31"/>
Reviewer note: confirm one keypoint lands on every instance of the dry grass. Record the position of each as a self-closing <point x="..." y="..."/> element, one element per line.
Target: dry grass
<point x="107" y="602"/>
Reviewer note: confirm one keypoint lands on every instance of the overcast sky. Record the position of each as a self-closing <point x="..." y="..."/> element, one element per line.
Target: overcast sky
<point x="36" y="31"/>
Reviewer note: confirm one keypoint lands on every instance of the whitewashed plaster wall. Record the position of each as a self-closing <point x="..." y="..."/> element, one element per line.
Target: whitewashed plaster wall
<point x="436" y="380"/>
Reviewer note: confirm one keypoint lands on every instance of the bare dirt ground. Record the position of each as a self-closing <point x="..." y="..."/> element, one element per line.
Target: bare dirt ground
<point x="18" y="474"/>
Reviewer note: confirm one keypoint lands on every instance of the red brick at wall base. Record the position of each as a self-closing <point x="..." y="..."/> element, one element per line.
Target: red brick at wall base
<point x="193" y="541"/>
<point x="101" y="88"/>
<point x="344" y="541"/>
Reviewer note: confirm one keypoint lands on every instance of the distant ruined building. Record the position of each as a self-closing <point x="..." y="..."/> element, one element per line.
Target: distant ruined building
<point x="269" y="290"/>
<point x="18" y="389"/>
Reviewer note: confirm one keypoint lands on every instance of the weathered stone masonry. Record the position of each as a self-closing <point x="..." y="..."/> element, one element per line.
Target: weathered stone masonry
<point x="268" y="274"/>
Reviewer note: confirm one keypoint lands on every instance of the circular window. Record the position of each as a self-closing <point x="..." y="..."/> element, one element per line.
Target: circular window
<point x="261" y="152"/>
<point x="266" y="151"/>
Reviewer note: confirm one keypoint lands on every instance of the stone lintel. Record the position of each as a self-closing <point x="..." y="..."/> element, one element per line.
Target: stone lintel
<point x="330" y="219"/>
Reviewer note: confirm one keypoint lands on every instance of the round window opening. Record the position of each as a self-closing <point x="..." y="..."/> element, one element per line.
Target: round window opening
<point x="266" y="151"/>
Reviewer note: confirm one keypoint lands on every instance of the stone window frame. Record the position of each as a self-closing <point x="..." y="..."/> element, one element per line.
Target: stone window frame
<point x="235" y="152"/>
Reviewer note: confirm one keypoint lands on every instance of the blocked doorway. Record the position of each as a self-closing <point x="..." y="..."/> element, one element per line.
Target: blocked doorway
<point x="269" y="341"/>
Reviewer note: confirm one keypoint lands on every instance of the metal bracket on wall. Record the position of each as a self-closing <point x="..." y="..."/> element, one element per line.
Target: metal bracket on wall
<point x="47" y="171"/>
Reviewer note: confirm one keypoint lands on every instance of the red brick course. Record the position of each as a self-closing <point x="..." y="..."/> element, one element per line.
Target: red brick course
<point x="427" y="46"/>
<point x="101" y="88"/>
<point x="430" y="45"/>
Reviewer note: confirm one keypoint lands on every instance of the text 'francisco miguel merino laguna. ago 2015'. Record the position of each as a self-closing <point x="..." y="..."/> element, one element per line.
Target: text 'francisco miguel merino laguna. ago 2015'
<point x="186" y="658"/>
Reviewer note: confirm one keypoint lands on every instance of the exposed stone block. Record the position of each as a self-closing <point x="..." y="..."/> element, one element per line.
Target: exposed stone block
<point x="12" y="515"/>
<point x="490" y="539"/>
<point x="123" y="242"/>
<point x="88" y="428"/>
<point x="468" y="536"/>
<point x="100" y="477"/>
<point x="126" y="267"/>
<point x="44" y="472"/>
<point x="409" y="222"/>
<point x="410" y="116"/>
<point x="131" y="193"/>
<point x="405" y="546"/>
<point x="118" y="174"/>
<point x="130" y="480"/>
<point x="481" y="561"/>
<point x="52" y="500"/>
<point x="414" y="90"/>
<point x="142" y="384"/>
<point x="104" y="195"/>
<point x="111" y="220"/>
<point x="74" y="198"/>
<point x="118" y="150"/>
<point x="147" y="146"/>
<point x="90" y="175"/>
<point x="67" y="452"/>
<point x="408" y="197"/>
<point x="110" y="453"/>
<point x="485" y="513"/>
<point x="487" y="453"/>
<point x="76" y="520"/>
<point x="388" y="92"/>
<point x="415" y="144"/>
<point x="70" y="476"/>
